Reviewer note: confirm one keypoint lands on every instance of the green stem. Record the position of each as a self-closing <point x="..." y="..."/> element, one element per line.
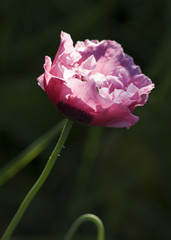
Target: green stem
<point x="84" y="218"/>
<point x="31" y="194"/>
<point x="28" y="155"/>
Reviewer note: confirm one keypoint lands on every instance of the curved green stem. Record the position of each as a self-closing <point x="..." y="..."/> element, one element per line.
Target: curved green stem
<point x="85" y="218"/>
<point x="31" y="194"/>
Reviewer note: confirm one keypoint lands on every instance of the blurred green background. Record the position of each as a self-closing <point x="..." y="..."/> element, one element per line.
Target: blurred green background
<point x="121" y="175"/>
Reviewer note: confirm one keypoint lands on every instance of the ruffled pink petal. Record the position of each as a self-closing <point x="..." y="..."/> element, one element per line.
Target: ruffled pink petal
<point x="40" y="80"/>
<point x="67" y="73"/>
<point x="84" y="46"/>
<point x="89" y="63"/>
<point x="104" y="92"/>
<point x="115" y="116"/>
<point x="72" y="106"/>
<point x="56" y="90"/>
<point x="46" y="75"/>
<point x="143" y="97"/>
<point x="88" y="93"/>
<point x="47" y="68"/>
<point x="128" y="63"/>
<point x="132" y="93"/>
<point x="109" y="60"/>
<point x="66" y="56"/>
<point x="147" y="89"/>
<point x="105" y="52"/>
<point x="66" y="45"/>
<point x="112" y="83"/>
<point x="141" y="81"/>
<point x="122" y="74"/>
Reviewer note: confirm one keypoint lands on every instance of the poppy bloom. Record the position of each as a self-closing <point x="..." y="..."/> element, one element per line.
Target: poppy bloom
<point x="95" y="83"/>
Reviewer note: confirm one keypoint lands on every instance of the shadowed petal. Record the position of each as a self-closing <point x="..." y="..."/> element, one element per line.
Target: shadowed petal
<point x="115" y="116"/>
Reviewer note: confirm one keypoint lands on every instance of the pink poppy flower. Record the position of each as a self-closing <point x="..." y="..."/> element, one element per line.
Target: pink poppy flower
<point x="95" y="83"/>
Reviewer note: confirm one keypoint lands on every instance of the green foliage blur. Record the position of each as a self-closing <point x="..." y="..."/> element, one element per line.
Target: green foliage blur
<point x="122" y="176"/>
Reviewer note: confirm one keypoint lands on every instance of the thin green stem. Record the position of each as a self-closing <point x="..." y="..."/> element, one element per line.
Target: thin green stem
<point x="36" y="187"/>
<point x="29" y="154"/>
<point x="85" y="218"/>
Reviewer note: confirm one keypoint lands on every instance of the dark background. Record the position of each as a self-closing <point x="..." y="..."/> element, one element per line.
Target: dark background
<point x="121" y="175"/>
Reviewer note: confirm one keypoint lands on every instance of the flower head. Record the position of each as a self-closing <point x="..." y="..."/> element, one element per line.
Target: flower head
<point x="95" y="83"/>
